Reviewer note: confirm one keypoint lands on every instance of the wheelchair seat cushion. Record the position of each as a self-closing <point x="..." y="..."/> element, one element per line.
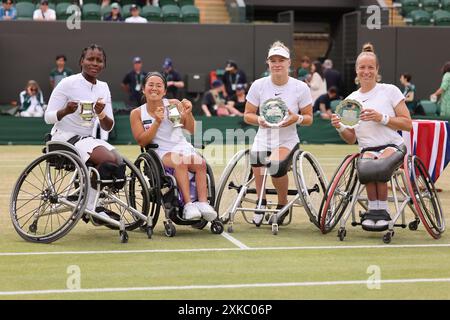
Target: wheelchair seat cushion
<point x="379" y="170"/>
<point x="276" y="168"/>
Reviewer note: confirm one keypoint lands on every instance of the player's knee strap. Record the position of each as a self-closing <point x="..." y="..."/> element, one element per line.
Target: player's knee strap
<point x="378" y="170"/>
<point x="278" y="169"/>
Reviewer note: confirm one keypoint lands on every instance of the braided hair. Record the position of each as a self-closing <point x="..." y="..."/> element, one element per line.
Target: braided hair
<point x="93" y="47"/>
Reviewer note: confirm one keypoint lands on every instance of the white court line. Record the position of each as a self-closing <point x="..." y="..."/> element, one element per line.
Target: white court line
<point x="235" y="241"/>
<point x="225" y="286"/>
<point x="390" y="246"/>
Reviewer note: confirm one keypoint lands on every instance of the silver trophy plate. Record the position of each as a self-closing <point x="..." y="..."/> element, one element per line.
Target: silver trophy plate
<point x="274" y="111"/>
<point x="349" y="111"/>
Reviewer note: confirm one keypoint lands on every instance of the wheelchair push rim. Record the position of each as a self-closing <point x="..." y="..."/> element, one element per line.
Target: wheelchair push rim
<point x="311" y="183"/>
<point x="342" y="186"/>
<point x="57" y="183"/>
<point x="424" y="196"/>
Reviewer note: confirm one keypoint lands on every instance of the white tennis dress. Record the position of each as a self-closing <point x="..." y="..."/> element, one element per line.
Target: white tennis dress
<point x="168" y="138"/>
<point x="77" y="88"/>
<point x="295" y="94"/>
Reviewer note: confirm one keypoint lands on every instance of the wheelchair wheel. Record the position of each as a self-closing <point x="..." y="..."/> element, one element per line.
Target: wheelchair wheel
<point x="237" y="173"/>
<point x="49" y="197"/>
<point x="211" y="196"/>
<point x="339" y="194"/>
<point x="424" y="197"/>
<point x="133" y="198"/>
<point x="150" y="172"/>
<point x="311" y="182"/>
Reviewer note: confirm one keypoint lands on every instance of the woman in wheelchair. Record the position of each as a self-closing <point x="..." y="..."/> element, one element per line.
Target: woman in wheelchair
<point x="75" y="126"/>
<point x="384" y="112"/>
<point x="278" y="143"/>
<point x="150" y="124"/>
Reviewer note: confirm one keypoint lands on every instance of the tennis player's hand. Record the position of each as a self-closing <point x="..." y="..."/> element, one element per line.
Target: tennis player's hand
<point x="291" y="119"/>
<point x="262" y="123"/>
<point x="159" y="114"/>
<point x="99" y="106"/>
<point x="371" y="115"/>
<point x="71" y="107"/>
<point x="335" y="121"/>
<point x="187" y="106"/>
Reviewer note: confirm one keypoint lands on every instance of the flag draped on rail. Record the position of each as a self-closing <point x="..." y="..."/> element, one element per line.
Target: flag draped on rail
<point x="429" y="140"/>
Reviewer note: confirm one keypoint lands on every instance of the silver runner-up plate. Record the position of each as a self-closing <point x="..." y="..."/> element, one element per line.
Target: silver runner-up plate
<point x="274" y="111"/>
<point x="349" y="111"/>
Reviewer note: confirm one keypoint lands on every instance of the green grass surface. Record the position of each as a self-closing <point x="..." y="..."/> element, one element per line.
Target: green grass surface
<point x="293" y="262"/>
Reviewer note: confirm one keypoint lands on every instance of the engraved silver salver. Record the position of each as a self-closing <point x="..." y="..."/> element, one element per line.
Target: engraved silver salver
<point x="349" y="111"/>
<point x="274" y="111"/>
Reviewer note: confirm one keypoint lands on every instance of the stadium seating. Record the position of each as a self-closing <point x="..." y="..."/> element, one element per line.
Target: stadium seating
<point x="91" y="1"/>
<point x="190" y="13"/>
<point x="441" y="18"/>
<point x="334" y="104"/>
<point x="420" y="18"/>
<point x="25" y="10"/>
<point x="105" y="11"/>
<point x="171" y="13"/>
<point x="182" y="3"/>
<point x="61" y="10"/>
<point x="125" y="2"/>
<point x="408" y="6"/>
<point x="430" y="5"/>
<point x="163" y="3"/>
<point x="91" y="11"/>
<point x="30" y="1"/>
<point x="445" y="5"/>
<point x="151" y="13"/>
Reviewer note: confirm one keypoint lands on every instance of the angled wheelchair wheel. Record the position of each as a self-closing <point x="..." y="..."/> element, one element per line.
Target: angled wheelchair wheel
<point x="235" y="175"/>
<point x="131" y="202"/>
<point x="150" y="172"/>
<point x="339" y="194"/>
<point x="49" y="197"/>
<point x="424" y="196"/>
<point x="311" y="183"/>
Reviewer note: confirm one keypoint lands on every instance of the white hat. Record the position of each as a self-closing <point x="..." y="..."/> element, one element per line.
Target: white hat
<point x="278" y="51"/>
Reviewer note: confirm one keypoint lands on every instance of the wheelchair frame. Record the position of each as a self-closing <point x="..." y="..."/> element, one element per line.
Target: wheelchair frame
<point x="301" y="161"/>
<point x="345" y="192"/>
<point x="63" y="161"/>
<point x="160" y="184"/>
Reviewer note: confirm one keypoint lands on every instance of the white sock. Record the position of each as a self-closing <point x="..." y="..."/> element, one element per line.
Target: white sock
<point x="383" y="205"/>
<point x="373" y="205"/>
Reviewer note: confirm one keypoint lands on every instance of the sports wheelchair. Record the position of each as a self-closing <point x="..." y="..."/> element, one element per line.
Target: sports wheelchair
<point x="237" y="190"/>
<point x="163" y="191"/>
<point x="51" y="195"/>
<point x="410" y="185"/>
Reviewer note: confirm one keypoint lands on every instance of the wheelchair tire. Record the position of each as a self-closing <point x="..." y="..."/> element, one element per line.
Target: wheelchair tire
<point x="135" y="194"/>
<point x="150" y="172"/>
<point x="235" y="175"/>
<point x="339" y="194"/>
<point x="424" y="196"/>
<point x="49" y="197"/>
<point x="311" y="183"/>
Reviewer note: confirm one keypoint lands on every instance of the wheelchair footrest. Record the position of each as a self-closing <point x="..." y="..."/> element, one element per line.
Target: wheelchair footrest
<point x="375" y="228"/>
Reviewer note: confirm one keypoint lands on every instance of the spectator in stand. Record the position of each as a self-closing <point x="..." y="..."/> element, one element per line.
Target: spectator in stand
<point x="236" y="103"/>
<point x="214" y="101"/>
<point x="174" y="81"/>
<point x="332" y="76"/>
<point x="305" y="67"/>
<point x="232" y="77"/>
<point x="408" y="92"/>
<point x="317" y="84"/>
<point x="115" y="14"/>
<point x="8" y="11"/>
<point x="444" y="91"/>
<point x="60" y="71"/>
<point x="323" y="103"/>
<point x="133" y="83"/>
<point x="44" y="13"/>
<point x="135" y="17"/>
<point x="31" y="101"/>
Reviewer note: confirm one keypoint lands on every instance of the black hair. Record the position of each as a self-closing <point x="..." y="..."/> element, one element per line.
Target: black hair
<point x="333" y="90"/>
<point x="153" y="74"/>
<point x="59" y="56"/>
<point x="318" y="66"/>
<point x="407" y="76"/>
<point x="93" y="47"/>
<point x="446" y="67"/>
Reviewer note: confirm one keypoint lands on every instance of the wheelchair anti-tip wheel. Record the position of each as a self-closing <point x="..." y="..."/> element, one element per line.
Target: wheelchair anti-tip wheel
<point x="133" y="197"/>
<point x="338" y="194"/>
<point x="49" y="197"/>
<point x="424" y="196"/>
<point x="311" y="182"/>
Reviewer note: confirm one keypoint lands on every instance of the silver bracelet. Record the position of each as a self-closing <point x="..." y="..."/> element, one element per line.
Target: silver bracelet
<point x="385" y="119"/>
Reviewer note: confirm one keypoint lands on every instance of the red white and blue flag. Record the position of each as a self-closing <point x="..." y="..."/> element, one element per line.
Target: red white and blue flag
<point x="429" y="140"/>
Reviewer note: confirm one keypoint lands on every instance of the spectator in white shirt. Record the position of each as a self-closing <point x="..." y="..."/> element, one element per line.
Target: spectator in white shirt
<point x="317" y="84"/>
<point x="44" y="13"/>
<point x="135" y="17"/>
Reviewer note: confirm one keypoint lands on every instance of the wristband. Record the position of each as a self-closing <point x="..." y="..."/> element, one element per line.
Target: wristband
<point x="101" y="115"/>
<point x="341" y="128"/>
<point x="385" y="119"/>
<point x="300" y="118"/>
